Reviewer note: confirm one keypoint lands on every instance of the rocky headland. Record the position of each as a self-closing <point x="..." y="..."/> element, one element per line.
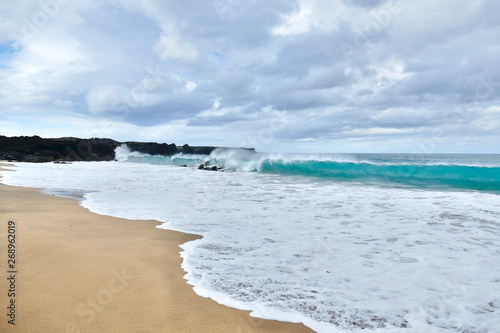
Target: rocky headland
<point x="37" y="149"/>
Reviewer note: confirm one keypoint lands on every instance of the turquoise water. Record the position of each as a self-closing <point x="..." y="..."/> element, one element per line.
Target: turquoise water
<point x="428" y="171"/>
<point x="427" y="176"/>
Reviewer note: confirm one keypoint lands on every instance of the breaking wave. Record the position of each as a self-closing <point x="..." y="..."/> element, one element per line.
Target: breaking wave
<point x="439" y="171"/>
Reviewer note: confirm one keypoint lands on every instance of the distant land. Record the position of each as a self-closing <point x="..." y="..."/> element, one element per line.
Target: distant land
<point x="37" y="149"/>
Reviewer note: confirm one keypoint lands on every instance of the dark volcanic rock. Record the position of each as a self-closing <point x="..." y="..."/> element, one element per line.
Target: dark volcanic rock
<point x="202" y="150"/>
<point x="208" y="168"/>
<point x="37" y="149"/>
<point x="186" y="149"/>
<point x="153" y="148"/>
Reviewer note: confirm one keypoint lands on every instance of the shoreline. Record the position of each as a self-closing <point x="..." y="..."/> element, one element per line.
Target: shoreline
<point x="77" y="271"/>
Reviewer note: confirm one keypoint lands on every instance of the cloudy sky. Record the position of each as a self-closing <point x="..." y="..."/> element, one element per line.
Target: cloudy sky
<point x="279" y="75"/>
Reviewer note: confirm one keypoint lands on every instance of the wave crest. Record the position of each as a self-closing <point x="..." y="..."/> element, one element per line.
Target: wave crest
<point x="381" y="169"/>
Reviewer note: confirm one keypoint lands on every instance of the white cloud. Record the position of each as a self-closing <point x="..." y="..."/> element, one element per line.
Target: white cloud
<point x="390" y="72"/>
<point x="189" y="85"/>
<point x="322" y="15"/>
<point x="64" y="104"/>
<point x="171" y="46"/>
<point x="377" y="131"/>
<point x="104" y="99"/>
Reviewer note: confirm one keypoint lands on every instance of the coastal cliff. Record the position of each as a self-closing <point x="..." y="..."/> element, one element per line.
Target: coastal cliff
<point x="37" y="149"/>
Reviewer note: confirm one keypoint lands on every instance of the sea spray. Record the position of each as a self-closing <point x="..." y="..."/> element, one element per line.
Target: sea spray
<point x="404" y="170"/>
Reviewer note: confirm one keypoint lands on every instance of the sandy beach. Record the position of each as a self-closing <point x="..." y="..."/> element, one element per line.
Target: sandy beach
<point x="81" y="272"/>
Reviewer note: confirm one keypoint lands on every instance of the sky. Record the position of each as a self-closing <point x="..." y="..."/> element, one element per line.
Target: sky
<point x="387" y="76"/>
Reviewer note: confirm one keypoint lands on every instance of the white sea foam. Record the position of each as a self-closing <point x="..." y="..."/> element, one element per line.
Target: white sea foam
<point x="337" y="257"/>
<point x="124" y="153"/>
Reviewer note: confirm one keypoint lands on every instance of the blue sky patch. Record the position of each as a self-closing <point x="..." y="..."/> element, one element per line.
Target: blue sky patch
<point x="7" y="50"/>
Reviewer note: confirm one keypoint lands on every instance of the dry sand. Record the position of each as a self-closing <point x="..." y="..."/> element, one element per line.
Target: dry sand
<point x="82" y="272"/>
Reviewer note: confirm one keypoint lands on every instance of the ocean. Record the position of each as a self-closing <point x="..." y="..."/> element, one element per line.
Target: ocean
<point x="340" y="242"/>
